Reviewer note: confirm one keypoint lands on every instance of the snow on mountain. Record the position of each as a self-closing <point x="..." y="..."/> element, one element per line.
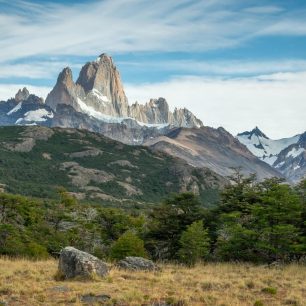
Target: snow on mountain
<point x="15" y="109"/>
<point x="287" y="155"/>
<point x="263" y="147"/>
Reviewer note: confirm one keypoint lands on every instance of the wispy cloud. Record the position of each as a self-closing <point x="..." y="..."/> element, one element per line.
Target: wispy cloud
<point x="274" y="102"/>
<point x="219" y="67"/>
<point x="29" y="29"/>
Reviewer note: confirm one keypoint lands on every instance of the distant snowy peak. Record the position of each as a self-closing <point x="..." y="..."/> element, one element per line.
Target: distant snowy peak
<point x="292" y="160"/>
<point x="287" y="155"/>
<point x="263" y="147"/>
<point x="255" y="132"/>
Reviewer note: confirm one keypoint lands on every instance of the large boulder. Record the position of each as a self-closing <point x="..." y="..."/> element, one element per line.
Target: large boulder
<point x="75" y="263"/>
<point x="137" y="264"/>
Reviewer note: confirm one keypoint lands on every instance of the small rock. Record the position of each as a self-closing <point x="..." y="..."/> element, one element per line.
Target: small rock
<point x="90" y="298"/>
<point x="137" y="263"/>
<point x="60" y="289"/>
<point x="75" y="263"/>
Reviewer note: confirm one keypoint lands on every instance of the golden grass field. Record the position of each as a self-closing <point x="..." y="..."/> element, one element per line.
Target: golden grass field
<point x="24" y="282"/>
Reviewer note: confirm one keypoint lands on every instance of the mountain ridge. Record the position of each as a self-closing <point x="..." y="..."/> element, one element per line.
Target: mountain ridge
<point x="277" y="152"/>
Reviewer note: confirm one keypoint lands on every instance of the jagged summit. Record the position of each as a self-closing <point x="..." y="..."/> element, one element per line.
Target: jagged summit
<point x="99" y="93"/>
<point x="256" y="131"/>
<point x="22" y="94"/>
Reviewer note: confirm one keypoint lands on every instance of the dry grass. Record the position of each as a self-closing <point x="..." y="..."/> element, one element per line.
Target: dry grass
<point x="24" y="282"/>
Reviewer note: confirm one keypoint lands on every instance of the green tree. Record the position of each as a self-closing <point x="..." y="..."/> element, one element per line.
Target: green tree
<point x="276" y="219"/>
<point x="128" y="244"/>
<point x="194" y="243"/>
<point x="168" y="221"/>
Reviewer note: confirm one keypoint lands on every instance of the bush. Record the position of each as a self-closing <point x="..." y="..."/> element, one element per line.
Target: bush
<point x="128" y="244"/>
<point x="194" y="243"/>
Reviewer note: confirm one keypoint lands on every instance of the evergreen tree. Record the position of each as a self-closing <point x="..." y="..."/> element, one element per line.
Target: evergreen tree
<point x="128" y="244"/>
<point x="194" y="243"/>
<point x="168" y="221"/>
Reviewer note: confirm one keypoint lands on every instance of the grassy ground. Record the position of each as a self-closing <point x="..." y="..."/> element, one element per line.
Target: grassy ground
<point x="24" y="282"/>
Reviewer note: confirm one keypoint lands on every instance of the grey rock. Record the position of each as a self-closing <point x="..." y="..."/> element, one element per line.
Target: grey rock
<point x="75" y="263"/>
<point x="22" y="95"/>
<point x="137" y="264"/>
<point x="60" y="289"/>
<point x="90" y="298"/>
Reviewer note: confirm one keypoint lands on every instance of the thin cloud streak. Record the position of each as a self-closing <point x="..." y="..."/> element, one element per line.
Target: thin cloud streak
<point x="220" y="67"/>
<point x="119" y="26"/>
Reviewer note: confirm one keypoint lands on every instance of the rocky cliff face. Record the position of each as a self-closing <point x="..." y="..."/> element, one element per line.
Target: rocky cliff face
<point x="99" y="93"/>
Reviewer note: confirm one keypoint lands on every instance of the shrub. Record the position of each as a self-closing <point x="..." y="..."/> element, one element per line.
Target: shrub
<point x="269" y="290"/>
<point x="194" y="243"/>
<point x="128" y="244"/>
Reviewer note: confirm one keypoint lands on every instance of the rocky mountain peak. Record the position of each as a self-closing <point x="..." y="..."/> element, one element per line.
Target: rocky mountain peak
<point x="22" y="94"/>
<point x="255" y="132"/>
<point x="98" y="92"/>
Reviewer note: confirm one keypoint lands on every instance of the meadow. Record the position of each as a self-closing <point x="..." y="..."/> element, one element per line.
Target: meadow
<point x="25" y="282"/>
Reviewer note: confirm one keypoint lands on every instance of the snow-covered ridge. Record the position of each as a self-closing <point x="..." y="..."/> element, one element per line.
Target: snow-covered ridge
<point x="263" y="147"/>
<point x="90" y="111"/>
<point x="15" y="109"/>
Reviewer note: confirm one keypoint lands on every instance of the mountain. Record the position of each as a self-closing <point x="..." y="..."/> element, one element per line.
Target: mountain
<point x="25" y="109"/>
<point x="286" y="154"/>
<point x="96" y="102"/>
<point x="212" y="148"/>
<point x="98" y="92"/>
<point x="292" y="160"/>
<point x="35" y="160"/>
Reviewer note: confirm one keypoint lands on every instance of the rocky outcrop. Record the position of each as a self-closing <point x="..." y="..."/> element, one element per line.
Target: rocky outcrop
<point x="157" y="112"/>
<point x="75" y="263"/>
<point x="101" y="81"/>
<point x="99" y="93"/>
<point x="22" y="95"/>
<point x="137" y="264"/>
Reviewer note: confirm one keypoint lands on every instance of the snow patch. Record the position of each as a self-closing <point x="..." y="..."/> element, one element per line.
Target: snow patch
<point x="38" y="115"/>
<point x="15" y="109"/>
<point x="295" y="152"/>
<point x="90" y="111"/>
<point x="280" y="164"/>
<point x="99" y="95"/>
<point x="296" y="167"/>
<point x="269" y="159"/>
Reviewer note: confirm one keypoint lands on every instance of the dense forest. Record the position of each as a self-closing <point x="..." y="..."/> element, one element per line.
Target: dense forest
<point x="258" y="222"/>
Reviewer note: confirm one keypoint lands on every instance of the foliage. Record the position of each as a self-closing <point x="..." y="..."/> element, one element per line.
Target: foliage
<point x="128" y="244"/>
<point x="194" y="243"/>
<point x="259" y="221"/>
<point x="168" y="221"/>
<point x="254" y="222"/>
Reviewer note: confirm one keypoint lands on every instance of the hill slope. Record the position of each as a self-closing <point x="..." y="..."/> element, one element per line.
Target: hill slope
<point x="36" y="160"/>
<point x="212" y="148"/>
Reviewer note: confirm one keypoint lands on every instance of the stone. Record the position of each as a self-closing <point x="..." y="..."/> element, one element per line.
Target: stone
<point x="137" y="264"/>
<point x="75" y="263"/>
<point x="90" y="298"/>
<point x="22" y="95"/>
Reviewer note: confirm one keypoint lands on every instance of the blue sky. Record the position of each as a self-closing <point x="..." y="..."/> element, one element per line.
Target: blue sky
<point x="235" y="63"/>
